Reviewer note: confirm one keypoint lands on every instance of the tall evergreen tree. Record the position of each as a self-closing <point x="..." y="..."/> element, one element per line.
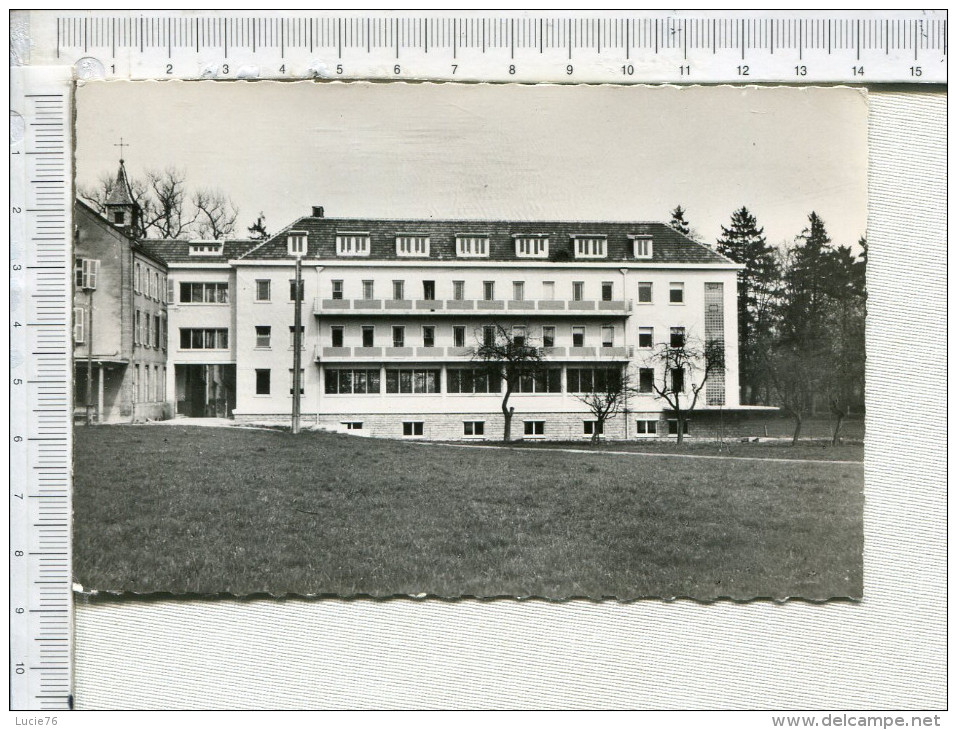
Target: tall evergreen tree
<point x="758" y="285"/>
<point x="678" y="221"/>
<point x="807" y="283"/>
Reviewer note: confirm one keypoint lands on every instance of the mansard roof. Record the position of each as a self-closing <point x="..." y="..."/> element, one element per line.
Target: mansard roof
<point x="669" y="246"/>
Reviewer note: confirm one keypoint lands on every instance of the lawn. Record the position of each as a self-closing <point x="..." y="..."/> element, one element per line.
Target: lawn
<point x="169" y="508"/>
<point x="806" y="450"/>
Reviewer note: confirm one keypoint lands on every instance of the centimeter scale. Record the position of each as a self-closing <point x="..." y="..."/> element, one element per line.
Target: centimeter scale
<point x="50" y="50"/>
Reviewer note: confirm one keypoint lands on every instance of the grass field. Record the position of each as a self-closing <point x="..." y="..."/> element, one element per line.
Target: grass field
<point x="807" y="450"/>
<point x="169" y="508"/>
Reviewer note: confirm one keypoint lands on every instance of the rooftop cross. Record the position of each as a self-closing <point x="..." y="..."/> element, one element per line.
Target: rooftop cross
<point x="121" y="145"/>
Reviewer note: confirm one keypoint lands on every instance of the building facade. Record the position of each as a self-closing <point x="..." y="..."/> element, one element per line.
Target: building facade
<point x="394" y="310"/>
<point x="119" y="315"/>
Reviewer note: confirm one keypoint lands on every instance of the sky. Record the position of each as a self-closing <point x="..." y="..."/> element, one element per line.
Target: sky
<point x="616" y="153"/>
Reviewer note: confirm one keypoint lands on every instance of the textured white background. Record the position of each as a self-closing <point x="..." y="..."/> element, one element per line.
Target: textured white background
<point x="886" y="652"/>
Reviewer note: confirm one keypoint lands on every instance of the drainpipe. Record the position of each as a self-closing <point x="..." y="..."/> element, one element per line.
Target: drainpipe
<point x="624" y="292"/>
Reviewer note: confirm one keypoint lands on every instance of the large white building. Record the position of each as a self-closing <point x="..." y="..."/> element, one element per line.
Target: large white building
<point x="393" y="311"/>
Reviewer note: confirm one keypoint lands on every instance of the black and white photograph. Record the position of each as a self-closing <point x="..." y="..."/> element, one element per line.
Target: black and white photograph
<point x="469" y="340"/>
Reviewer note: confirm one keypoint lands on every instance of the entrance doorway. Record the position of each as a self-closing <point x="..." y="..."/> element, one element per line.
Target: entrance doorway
<point x="205" y="391"/>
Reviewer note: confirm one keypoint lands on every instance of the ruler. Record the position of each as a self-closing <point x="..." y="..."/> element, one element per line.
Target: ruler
<point x="40" y="389"/>
<point x="49" y="49"/>
<point x="611" y="47"/>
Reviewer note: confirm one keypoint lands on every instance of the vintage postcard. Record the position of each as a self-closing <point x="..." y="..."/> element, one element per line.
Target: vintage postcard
<point x="352" y="339"/>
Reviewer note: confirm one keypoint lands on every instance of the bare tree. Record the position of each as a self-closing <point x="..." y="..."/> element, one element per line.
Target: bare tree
<point x="215" y="214"/>
<point x="166" y="213"/>
<point x="606" y="402"/>
<point x="682" y="368"/>
<point x="795" y="376"/>
<point x="506" y="350"/>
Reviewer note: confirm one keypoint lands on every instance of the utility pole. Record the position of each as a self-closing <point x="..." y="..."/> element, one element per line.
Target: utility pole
<point x="89" y="364"/>
<point x="297" y="352"/>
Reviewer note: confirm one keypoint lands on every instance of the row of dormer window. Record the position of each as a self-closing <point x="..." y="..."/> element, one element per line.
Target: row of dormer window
<point x="469" y="245"/>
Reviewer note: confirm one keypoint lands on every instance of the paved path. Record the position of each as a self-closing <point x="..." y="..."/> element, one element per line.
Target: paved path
<point x="645" y="453"/>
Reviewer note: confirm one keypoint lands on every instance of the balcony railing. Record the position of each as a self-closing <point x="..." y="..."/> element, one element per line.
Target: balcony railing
<point x="476" y="307"/>
<point x="324" y="353"/>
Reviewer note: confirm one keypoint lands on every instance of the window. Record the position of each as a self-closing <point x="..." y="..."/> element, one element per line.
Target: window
<point x="137" y="278"/>
<point x="170" y="291"/>
<point x="458" y="336"/>
<point x="136" y="384"/>
<point x="147" y="384"/>
<point x="147" y="330"/>
<point x="534" y="428"/>
<point x="156" y="286"/>
<point x="644" y="292"/>
<point x="593" y="380"/>
<point x="352" y="425"/>
<point x="548" y="336"/>
<point x="263" y="290"/>
<point x="203" y="339"/>
<point x="79" y="325"/>
<point x="473" y="428"/>
<point x="519" y="335"/>
<point x="589" y="247"/>
<point x="398" y="290"/>
<point x="263" y="335"/>
<point x="646" y="337"/>
<point x="642" y="247"/>
<point x="428" y="290"/>
<point x="411" y="245"/>
<point x="296" y="243"/>
<point x="548" y="290"/>
<point x="412" y="428"/>
<point x="677" y="337"/>
<point x="337" y="335"/>
<point x="86" y="272"/>
<point x="458" y="290"/>
<point x="607" y="336"/>
<point x="488" y="335"/>
<point x="607" y="291"/>
<point x="578" y="336"/>
<point x="137" y="327"/>
<point x="262" y="382"/>
<point x="646" y="380"/>
<point x="412" y="381"/>
<point x="518" y="291"/>
<point x="213" y="292"/>
<point x="302" y="382"/>
<point x="590" y="427"/>
<point x="368" y="289"/>
<point x="163" y="334"/>
<point x="676" y="293"/>
<point x="336" y="289"/>
<point x="677" y="380"/>
<point x="398" y="336"/>
<point x="673" y="427"/>
<point x="346" y="382"/>
<point x="488" y="290"/>
<point x="474" y="380"/>
<point x="368" y="335"/>
<point x="352" y="244"/>
<point x="156" y="331"/>
<point x="292" y="290"/>
<point x="469" y="245"/>
<point x="428" y="336"/>
<point x="164" y="289"/>
<point x="578" y="290"/>
<point x="531" y="247"/>
<point x="646" y="427"/>
<point x="548" y="380"/>
<point x="118" y="217"/>
<point x="302" y="337"/>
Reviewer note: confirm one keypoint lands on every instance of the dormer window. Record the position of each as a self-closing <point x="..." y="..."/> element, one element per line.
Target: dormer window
<point x="297" y="243"/>
<point x="410" y="244"/>
<point x="531" y="247"/>
<point x="642" y="246"/>
<point x="470" y="245"/>
<point x="589" y="247"/>
<point x="352" y="244"/>
<point x="205" y="248"/>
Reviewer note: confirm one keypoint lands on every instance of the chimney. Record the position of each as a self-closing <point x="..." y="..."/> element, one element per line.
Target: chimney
<point x="317" y="211"/>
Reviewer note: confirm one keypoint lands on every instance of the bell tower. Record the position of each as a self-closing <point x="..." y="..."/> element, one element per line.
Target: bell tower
<point x="122" y="210"/>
